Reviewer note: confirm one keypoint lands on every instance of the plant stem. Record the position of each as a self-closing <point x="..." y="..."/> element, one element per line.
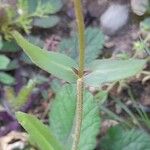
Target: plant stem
<point x="79" y="114"/>
<point x="81" y="37"/>
<point x="80" y="82"/>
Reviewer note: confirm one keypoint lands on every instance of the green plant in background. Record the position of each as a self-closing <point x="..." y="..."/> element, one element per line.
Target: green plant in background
<point x="27" y="13"/>
<point x="22" y="15"/>
<point x="74" y="118"/>
<point x="94" y="41"/>
<point x="142" y="47"/>
<point x="13" y="102"/>
<point x="5" y="77"/>
<point x="142" y="8"/>
<point x="130" y="132"/>
<point x="124" y="140"/>
<point x="17" y="101"/>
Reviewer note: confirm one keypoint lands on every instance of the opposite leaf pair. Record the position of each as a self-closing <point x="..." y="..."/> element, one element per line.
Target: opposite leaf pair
<point x="61" y="66"/>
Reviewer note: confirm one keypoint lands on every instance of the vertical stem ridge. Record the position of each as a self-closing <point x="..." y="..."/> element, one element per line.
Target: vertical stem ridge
<point x="81" y="36"/>
<point x="79" y="113"/>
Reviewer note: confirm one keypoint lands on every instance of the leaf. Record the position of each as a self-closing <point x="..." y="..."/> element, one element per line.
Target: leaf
<point x="94" y="44"/>
<point x="101" y="97"/>
<point x="46" y="7"/>
<point x="9" y="46"/>
<point x="4" y="61"/>
<point x="119" y="139"/>
<point x="6" y="78"/>
<point x="14" y="64"/>
<point x="145" y="25"/>
<point x="23" y="95"/>
<point x="1" y="43"/>
<point x="56" y="5"/>
<point x="108" y="70"/>
<point x="39" y="133"/>
<point x="46" y="22"/>
<point x="62" y="117"/>
<point x="55" y="63"/>
<point x="32" y="4"/>
<point x="25" y="58"/>
<point x="56" y="85"/>
<point x="34" y="40"/>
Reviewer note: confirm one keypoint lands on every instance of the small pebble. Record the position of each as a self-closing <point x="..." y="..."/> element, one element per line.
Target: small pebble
<point x="114" y="18"/>
<point x="139" y="7"/>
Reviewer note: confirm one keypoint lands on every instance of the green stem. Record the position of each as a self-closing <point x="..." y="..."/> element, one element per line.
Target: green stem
<point x="80" y="82"/>
<point x="81" y="37"/>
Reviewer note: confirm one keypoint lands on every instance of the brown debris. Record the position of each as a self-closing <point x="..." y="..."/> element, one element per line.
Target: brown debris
<point x="14" y="140"/>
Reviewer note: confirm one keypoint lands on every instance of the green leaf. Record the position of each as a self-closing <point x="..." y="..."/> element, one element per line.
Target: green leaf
<point x="6" y="78"/>
<point x="12" y="65"/>
<point x="1" y="43"/>
<point x="56" y="5"/>
<point x="55" y="63"/>
<point x="32" y="4"/>
<point x="46" y="7"/>
<point x="145" y="25"/>
<point x="34" y="40"/>
<point x="25" y="58"/>
<point x="94" y="44"/>
<point x="46" y="22"/>
<point x="56" y="85"/>
<point x="9" y="46"/>
<point x="39" y="133"/>
<point x="118" y="138"/>
<point x="108" y="70"/>
<point x="23" y="95"/>
<point x="101" y="97"/>
<point x="62" y="116"/>
<point x="4" y="61"/>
